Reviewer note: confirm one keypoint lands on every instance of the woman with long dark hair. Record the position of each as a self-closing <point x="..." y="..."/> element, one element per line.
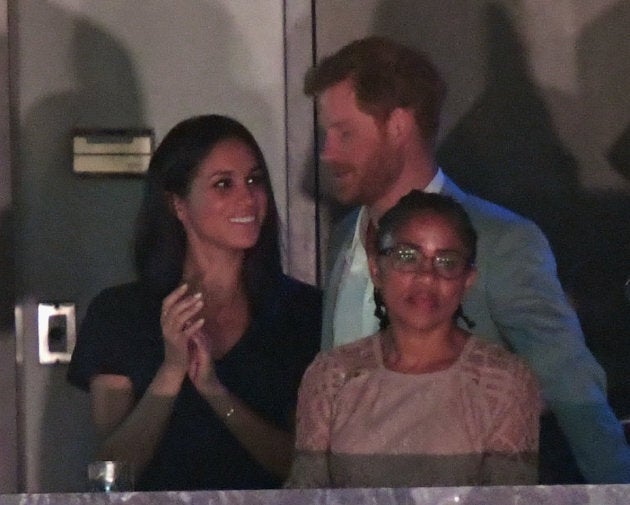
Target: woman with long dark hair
<point x="193" y="370"/>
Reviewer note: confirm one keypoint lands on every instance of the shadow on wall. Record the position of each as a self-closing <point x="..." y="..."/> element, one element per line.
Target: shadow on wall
<point x="603" y="58"/>
<point x="505" y="148"/>
<point x="76" y="232"/>
<point x="73" y="233"/>
<point x="619" y="154"/>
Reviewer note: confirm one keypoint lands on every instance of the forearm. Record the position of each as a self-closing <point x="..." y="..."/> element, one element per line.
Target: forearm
<point x="597" y="441"/>
<point x="576" y="397"/>
<point x="136" y="438"/>
<point x="272" y="447"/>
<point x="536" y="321"/>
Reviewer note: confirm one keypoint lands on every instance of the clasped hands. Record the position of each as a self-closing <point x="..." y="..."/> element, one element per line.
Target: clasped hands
<point x="185" y="345"/>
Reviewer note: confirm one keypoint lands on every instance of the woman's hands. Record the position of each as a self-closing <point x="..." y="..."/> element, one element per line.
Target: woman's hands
<point x="187" y="351"/>
<point x="201" y="371"/>
<point x="185" y="346"/>
<point x="180" y="323"/>
<point x="131" y="432"/>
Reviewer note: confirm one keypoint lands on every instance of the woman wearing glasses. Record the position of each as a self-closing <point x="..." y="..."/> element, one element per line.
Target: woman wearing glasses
<point x="422" y="402"/>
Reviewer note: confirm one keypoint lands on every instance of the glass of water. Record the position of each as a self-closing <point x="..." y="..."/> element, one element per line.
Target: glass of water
<point x="110" y="476"/>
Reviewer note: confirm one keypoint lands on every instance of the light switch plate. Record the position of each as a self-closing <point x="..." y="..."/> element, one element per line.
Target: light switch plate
<point x="56" y="324"/>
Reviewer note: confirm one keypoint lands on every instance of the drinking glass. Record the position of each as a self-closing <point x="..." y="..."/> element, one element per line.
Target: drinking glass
<point x="110" y="476"/>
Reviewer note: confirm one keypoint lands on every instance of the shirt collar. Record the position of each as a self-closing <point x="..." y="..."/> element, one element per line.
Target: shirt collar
<point x="360" y="228"/>
<point x="437" y="183"/>
<point x="435" y="186"/>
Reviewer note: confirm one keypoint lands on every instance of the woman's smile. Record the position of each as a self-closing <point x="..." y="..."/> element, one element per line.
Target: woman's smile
<point x="243" y="220"/>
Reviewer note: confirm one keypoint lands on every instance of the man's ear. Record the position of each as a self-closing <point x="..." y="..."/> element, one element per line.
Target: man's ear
<point x="400" y="125"/>
<point x="471" y="277"/>
<point x="375" y="271"/>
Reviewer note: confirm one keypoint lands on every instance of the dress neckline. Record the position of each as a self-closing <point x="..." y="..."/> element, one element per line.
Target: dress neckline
<point x="377" y="345"/>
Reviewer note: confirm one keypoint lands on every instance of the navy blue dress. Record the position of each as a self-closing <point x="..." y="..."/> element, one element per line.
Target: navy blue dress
<point x="121" y="335"/>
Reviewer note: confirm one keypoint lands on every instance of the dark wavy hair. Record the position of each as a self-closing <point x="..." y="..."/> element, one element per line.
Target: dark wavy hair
<point x="160" y="239"/>
<point x="385" y="75"/>
<point x="413" y="204"/>
<point x="417" y="202"/>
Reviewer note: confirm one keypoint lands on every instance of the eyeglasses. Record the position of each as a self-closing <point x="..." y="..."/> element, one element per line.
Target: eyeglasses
<point x="408" y="258"/>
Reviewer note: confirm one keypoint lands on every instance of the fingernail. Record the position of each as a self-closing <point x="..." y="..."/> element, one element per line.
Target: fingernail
<point x="198" y="294"/>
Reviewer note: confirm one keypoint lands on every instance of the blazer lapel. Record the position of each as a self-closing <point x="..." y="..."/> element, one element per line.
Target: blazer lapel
<point x="451" y="189"/>
<point x="337" y="250"/>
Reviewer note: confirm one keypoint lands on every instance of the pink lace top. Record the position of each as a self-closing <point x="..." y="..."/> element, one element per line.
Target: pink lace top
<point x="360" y="424"/>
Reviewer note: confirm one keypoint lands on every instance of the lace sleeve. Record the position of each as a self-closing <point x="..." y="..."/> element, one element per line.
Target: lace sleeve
<point x="316" y="396"/>
<point x="512" y="448"/>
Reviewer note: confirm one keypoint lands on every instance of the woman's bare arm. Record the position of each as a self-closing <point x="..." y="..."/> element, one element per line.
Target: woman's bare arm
<point x="272" y="447"/>
<point x="128" y="431"/>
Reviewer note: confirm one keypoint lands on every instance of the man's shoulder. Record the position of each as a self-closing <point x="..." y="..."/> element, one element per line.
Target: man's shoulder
<point x="487" y="216"/>
<point x="479" y="208"/>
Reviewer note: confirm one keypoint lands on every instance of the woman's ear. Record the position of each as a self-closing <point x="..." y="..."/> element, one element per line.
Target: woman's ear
<point x="177" y="205"/>
<point x="471" y="277"/>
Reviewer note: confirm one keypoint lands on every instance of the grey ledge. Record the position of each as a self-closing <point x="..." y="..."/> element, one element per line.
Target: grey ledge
<point x="612" y="494"/>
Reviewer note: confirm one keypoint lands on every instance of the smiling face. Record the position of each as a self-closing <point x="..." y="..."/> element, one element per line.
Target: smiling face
<point x="357" y="150"/>
<point x="227" y="201"/>
<point x="420" y="300"/>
